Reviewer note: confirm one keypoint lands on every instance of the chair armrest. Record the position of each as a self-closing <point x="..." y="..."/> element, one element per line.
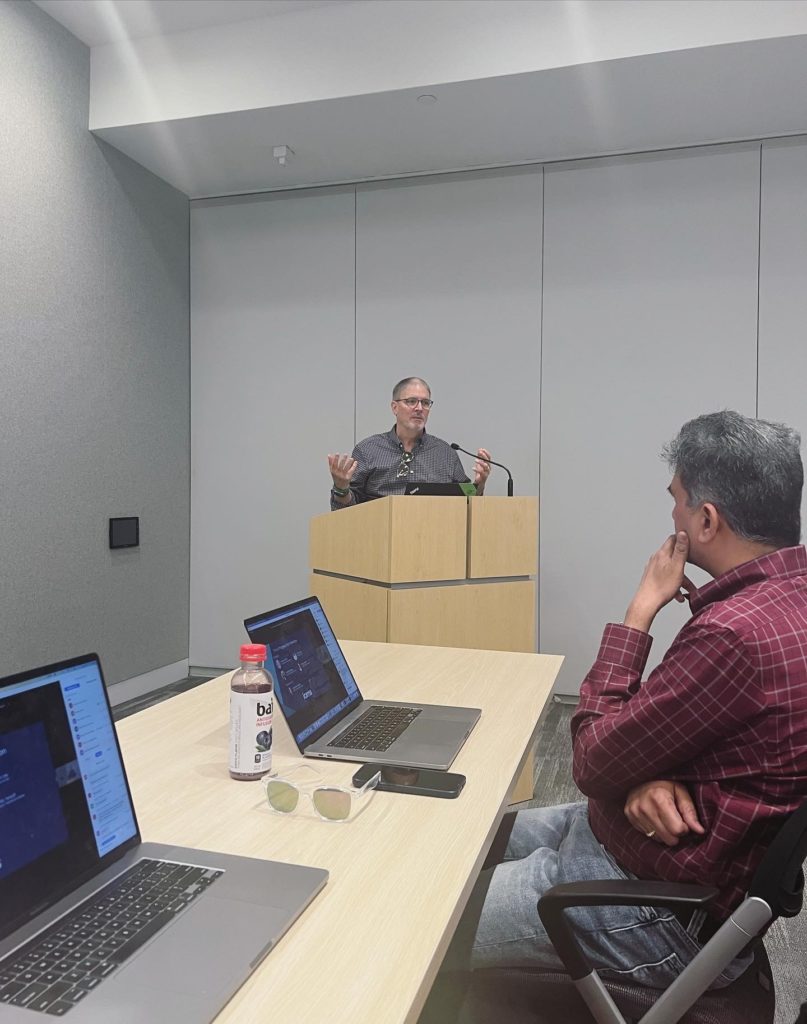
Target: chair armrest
<point x="625" y="893"/>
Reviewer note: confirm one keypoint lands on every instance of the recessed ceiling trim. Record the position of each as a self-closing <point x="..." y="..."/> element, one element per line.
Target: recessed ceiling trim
<point x="346" y="185"/>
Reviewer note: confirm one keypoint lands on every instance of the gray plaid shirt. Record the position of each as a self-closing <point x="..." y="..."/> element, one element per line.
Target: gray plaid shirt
<point x="381" y="459"/>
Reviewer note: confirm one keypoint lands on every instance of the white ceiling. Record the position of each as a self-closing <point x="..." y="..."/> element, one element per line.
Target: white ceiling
<point x="685" y="97"/>
<point x="715" y="94"/>
<point x="96" y="22"/>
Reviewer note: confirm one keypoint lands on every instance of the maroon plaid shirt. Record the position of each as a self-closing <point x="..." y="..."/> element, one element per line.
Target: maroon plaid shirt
<point x="725" y="713"/>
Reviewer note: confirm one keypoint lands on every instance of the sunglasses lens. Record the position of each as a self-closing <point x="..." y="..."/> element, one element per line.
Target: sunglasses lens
<point x="332" y="803"/>
<point x="282" y="796"/>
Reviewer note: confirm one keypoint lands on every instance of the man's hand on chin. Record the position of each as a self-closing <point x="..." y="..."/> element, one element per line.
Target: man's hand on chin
<point x="663" y="579"/>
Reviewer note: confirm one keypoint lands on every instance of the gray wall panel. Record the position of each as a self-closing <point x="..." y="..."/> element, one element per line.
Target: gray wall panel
<point x="649" y="317"/>
<point x="783" y="288"/>
<point x="272" y="394"/>
<point x="448" y="288"/>
<point x="94" y="377"/>
<point x="650" y="280"/>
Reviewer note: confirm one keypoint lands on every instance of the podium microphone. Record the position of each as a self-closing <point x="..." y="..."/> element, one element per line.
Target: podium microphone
<point x="482" y="458"/>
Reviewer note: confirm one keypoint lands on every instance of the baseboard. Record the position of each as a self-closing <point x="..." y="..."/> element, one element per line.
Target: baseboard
<point x="566" y="698"/>
<point x="206" y="672"/>
<point x="138" y="686"/>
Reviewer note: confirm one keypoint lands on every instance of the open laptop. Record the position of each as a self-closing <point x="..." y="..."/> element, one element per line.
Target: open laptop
<point x="324" y="708"/>
<point x="96" y="925"/>
<point x="444" y="489"/>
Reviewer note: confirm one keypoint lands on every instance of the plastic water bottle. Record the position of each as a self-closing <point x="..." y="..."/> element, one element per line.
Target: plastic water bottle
<point x="251" y="716"/>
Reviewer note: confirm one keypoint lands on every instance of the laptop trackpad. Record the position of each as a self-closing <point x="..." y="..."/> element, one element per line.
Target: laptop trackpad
<point x="434" y="732"/>
<point x="429" y="743"/>
<point x="233" y="933"/>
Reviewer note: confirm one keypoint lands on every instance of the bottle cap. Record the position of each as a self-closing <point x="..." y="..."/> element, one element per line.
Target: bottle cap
<point x="253" y="652"/>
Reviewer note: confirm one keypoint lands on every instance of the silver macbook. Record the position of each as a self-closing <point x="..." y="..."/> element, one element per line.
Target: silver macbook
<point x="96" y="925"/>
<point x="324" y="708"/>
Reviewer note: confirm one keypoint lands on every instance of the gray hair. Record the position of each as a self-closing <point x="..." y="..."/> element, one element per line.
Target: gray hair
<point x="396" y="391"/>
<point x="749" y="469"/>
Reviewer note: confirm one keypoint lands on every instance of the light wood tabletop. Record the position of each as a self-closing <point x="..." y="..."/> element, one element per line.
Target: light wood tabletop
<point x="367" y="949"/>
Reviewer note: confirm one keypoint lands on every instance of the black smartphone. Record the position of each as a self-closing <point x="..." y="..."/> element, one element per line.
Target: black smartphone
<point x="399" y="779"/>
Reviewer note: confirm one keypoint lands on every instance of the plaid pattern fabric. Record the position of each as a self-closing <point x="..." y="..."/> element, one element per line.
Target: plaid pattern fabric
<point x="725" y="713"/>
<point x="380" y="459"/>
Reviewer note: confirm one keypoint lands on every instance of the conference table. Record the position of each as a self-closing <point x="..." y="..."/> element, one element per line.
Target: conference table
<point x="368" y="947"/>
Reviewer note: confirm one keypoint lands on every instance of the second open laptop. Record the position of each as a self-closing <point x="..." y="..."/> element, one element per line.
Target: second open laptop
<point x="444" y="489"/>
<point x="325" y="710"/>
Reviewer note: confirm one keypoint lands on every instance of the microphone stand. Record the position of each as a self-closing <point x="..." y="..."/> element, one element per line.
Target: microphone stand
<point x="482" y="458"/>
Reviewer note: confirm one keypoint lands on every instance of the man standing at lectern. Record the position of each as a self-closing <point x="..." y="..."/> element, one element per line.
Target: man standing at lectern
<point x="382" y="464"/>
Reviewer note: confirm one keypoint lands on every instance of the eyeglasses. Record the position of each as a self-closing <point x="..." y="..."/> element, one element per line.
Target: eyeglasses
<point x="405" y="467"/>
<point x="332" y="803"/>
<point x="413" y="403"/>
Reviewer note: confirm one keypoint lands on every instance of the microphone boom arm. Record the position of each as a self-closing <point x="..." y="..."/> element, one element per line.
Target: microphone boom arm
<point x="482" y="458"/>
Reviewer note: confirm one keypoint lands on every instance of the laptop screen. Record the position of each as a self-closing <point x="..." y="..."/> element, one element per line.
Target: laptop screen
<point x="312" y="681"/>
<point x="65" y="808"/>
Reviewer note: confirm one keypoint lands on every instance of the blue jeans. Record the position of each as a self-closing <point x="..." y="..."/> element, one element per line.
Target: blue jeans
<point x="549" y="845"/>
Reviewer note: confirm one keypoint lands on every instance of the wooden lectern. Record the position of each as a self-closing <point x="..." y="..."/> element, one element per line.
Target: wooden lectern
<point x="439" y="571"/>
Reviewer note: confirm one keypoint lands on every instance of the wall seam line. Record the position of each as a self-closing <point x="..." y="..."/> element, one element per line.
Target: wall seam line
<point x="540" y="404"/>
<point x="759" y="276"/>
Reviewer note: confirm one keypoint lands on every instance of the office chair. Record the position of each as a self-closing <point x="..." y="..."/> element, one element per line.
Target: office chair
<point x="524" y="996"/>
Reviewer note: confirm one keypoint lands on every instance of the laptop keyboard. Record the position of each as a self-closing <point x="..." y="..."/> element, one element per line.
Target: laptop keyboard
<point x="376" y="729"/>
<point x="53" y="972"/>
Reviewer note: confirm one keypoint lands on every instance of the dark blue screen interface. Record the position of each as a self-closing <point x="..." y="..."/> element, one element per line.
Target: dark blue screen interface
<point x="64" y="801"/>
<point x="312" y="681"/>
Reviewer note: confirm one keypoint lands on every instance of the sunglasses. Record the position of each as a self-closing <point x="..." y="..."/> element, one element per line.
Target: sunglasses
<point x="332" y="803"/>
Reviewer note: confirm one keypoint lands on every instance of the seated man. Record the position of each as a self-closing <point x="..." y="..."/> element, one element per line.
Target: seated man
<point x="382" y="464"/>
<point x="690" y="773"/>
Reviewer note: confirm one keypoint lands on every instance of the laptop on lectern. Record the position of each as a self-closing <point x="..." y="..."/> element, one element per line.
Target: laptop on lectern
<point x="446" y="489"/>
<point x="95" y="925"/>
<point x="324" y="708"/>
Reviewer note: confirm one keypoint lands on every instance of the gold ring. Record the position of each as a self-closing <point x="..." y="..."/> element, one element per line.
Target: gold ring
<point x="650" y="834"/>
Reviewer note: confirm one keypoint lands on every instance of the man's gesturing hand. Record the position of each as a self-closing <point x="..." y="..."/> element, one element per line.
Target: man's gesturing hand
<point x="662" y="581"/>
<point x="663" y="810"/>
<point x="342" y="468"/>
<point x="481" y="468"/>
